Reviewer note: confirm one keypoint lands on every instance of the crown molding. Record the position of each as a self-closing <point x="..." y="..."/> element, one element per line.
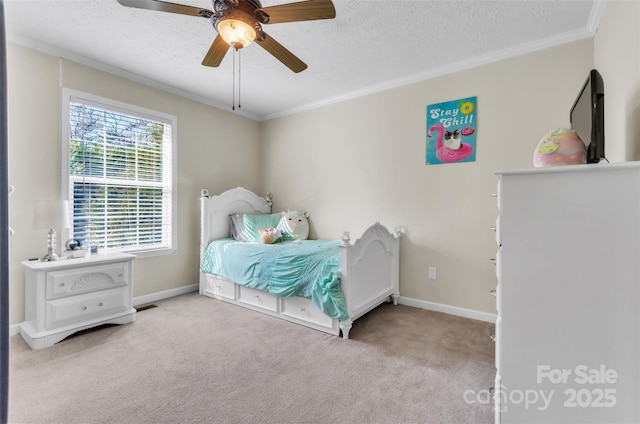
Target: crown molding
<point x="471" y="63"/>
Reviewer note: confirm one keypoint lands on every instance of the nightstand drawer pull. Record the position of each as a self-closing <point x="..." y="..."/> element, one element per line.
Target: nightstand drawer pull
<point x="84" y="308"/>
<point x="493" y="260"/>
<point x="100" y="304"/>
<point x="494" y="293"/>
<point x="492" y="336"/>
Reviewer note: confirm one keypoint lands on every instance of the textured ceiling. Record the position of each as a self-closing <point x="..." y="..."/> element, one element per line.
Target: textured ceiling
<point x="370" y="46"/>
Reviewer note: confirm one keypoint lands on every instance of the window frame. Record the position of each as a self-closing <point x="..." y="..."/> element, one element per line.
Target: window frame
<point x="70" y="95"/>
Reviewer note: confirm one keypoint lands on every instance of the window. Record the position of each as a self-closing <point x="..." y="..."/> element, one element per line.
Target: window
<point x="119" y="174"/>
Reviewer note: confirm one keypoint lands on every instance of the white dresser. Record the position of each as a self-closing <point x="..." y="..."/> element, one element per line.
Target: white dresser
<point x="568" y="295"/>
<point x="69" y="295"/>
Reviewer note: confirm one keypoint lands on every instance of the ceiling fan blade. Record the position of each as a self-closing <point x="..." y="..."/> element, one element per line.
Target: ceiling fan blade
<point x="293" y="12"/>
<point x="163" y="6"/>
<point x="216" y="52"/>
<point x="281" y="53"/>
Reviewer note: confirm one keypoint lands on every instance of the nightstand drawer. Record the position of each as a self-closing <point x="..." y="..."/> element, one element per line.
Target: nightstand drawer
<point x="70" y="282"/>
<point x="74" y="309"/>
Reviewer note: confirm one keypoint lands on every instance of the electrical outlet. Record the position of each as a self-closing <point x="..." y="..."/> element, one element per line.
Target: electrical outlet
<point x="432" y="272"/>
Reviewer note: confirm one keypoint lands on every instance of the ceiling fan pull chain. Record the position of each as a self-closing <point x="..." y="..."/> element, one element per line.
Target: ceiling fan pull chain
<point x="239" y="76"/>
<point x="233" y="69"/>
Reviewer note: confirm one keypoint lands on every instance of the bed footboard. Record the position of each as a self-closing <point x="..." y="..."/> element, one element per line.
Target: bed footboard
<point x="370" y="270"/>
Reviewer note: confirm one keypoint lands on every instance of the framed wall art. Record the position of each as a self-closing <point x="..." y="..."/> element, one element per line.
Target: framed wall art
<point x="451" y="131"/>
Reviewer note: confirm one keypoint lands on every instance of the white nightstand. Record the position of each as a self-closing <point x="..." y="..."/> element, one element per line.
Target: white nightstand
<point x="69" y="295"/>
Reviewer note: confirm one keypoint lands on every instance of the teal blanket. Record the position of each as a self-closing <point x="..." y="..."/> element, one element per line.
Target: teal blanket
<point x="308" y="268"/>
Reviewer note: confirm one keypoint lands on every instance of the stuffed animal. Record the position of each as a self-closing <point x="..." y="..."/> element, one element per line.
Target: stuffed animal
<point x="294" y="225"/>
<point x="271" y="235"/>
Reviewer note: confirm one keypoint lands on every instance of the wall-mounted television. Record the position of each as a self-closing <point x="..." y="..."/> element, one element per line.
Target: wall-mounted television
<point x="587" y="116"/>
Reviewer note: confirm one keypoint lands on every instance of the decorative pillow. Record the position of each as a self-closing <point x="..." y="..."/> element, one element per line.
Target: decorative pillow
<point x="270" y="235"/>
<point x="253" y="223"/>
<point x="294" y="225"/>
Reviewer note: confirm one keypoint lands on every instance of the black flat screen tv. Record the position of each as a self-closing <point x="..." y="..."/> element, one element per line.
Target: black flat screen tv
<point x="587" y="116"/>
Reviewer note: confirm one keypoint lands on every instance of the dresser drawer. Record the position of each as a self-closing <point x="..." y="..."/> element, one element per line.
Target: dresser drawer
<point x="257" y="298"/>
<point x="85" y="279"/>
<point x="74" y="309"/>
<point x="304" y="309"/>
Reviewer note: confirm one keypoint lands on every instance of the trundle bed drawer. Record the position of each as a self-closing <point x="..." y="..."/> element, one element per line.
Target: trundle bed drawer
<point x="218" y="287"/>
<point x="257" y="298"/>
<point x="304" y="309"/>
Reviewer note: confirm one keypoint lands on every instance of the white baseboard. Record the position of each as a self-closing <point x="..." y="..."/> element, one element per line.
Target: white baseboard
<point x="153" y="297"/>
<point x="448" y="309"/>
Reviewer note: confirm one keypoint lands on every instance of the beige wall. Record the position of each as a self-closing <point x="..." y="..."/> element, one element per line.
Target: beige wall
<point x="207" y="137"/>
<point x="363" y="160"/>
<point x="617" y="58"/>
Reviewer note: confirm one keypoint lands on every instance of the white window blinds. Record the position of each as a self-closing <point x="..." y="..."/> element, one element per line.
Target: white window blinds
<point x="120" y="176"/>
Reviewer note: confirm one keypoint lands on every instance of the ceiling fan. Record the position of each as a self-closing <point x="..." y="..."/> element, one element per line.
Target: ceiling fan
<point x="239" y="23"/>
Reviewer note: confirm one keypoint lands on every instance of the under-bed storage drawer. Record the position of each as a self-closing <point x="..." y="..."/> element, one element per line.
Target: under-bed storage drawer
<point x="219" y="287"/>
<point x="257" y="298"/>
<point x="304" y="309"/>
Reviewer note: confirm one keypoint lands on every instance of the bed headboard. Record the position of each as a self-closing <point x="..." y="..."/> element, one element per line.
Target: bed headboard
<point x="215" y="212"/>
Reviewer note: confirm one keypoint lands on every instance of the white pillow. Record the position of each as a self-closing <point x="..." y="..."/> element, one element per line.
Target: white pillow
<point x="236" y="226"/>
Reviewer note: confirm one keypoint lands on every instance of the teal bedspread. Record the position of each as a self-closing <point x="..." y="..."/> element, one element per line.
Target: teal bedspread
<point x="309" y="268"/>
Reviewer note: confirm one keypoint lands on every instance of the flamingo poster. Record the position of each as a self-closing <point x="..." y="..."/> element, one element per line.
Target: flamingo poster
<point x="451" y="131"/>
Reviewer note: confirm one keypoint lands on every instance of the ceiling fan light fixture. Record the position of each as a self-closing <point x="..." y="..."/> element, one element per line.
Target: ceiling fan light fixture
<point x="236" y="33"/>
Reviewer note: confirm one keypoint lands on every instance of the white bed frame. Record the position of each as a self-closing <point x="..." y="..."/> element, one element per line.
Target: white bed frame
<point x="369" y="267"/>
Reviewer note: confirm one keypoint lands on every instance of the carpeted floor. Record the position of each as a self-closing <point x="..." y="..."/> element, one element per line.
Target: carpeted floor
<point x="193" y="359"/>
